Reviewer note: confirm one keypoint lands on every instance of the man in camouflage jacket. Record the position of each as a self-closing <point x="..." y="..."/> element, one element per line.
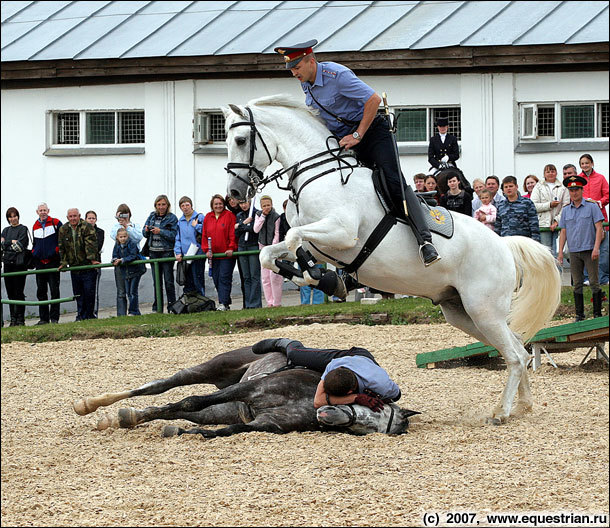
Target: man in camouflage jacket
<point x="78" y="247"/>
<point x="516" y="215"/>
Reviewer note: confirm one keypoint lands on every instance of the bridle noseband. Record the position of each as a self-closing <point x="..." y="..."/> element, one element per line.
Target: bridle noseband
<point x="255" y="176"/>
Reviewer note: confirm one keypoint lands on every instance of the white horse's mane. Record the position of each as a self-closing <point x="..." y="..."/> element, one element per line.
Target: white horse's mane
<point x="284" y="100"/>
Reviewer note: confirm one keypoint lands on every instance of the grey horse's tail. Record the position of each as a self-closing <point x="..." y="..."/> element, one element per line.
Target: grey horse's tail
<point x="538" y="286"/>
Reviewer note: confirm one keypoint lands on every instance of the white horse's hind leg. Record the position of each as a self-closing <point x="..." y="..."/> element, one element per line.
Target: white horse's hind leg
<point x="526" y="401"/>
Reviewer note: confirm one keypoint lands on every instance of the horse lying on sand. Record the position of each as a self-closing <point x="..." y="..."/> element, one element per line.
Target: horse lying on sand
<point x="256" y="394"/>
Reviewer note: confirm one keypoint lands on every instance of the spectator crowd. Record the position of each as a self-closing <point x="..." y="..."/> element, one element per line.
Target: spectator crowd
<point x="545" y="207"/>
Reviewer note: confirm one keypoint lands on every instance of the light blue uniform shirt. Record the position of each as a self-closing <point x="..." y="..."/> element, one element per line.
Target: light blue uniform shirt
<point x="339" y="90"/>
<point x="579" y="223"/>
<point x="370" y="376"/>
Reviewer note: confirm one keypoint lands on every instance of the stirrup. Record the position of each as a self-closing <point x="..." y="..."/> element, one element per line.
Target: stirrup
<point x="421" y="254"/>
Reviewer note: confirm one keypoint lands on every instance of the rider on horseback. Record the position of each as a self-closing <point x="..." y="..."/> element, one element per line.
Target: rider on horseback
<point x="349" y="108"/>
<point x="443" y="149"/>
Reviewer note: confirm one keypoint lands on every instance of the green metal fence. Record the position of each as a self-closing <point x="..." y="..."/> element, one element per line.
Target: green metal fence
<point x="154" y="263"/>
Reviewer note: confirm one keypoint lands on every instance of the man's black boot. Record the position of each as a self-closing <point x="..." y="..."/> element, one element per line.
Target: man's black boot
<point x="428" y="254"/>
<point x="272" y="345"/>
<point x="597" y="304"/>
<point x="579" y="307"/>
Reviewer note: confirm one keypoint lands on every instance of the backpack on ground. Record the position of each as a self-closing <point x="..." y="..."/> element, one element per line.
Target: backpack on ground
<point x="192" y="302"/>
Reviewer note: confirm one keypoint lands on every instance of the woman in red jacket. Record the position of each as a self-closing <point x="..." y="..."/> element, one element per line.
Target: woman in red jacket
<point x="219" y="228"/>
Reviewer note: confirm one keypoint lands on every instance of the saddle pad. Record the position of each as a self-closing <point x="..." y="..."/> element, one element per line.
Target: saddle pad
<point x="439" y="220"/>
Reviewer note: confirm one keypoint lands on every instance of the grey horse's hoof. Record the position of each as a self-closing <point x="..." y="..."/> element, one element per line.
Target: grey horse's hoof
<point x="170" y="430"/>
<point x="105" y="422"/>
<point x="127" y="418"/>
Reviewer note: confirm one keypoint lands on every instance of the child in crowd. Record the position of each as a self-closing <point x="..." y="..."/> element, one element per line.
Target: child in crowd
<point x="487" y="212"/>
<point x="125" y="251"/>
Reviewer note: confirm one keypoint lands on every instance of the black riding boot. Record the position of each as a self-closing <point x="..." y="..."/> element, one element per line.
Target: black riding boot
<point x="597" y="304"/>
<point x="579" y="307"/>
<point x="427" y="251"/>
<point x="272" y="345"/>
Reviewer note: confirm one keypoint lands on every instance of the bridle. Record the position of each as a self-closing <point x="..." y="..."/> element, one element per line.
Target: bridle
<point x="255" y="176"/>
<point x="351" y="415"/>
<point x="256" y="179"/>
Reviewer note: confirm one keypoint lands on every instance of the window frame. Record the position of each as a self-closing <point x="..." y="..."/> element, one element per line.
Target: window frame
<point x="201" y="141"/>
<point x="534" y="138"/>
<point x="429" y="121"/>
<point x="82" y="147"/>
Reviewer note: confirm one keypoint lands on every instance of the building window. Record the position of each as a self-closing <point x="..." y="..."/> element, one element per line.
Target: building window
<point x="562" y="121"/>
<point x="209" y="127"/>
<point x="419" y="124"/>
<point x="114" y="127"/>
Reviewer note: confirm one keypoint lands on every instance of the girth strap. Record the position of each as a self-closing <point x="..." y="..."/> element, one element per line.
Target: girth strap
<point x="374" y="239"/>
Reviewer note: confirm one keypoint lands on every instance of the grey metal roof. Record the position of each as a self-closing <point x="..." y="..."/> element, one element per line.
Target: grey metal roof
<point x="50" y="30"/>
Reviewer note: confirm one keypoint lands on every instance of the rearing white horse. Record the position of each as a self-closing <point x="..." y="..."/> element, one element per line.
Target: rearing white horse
<point x="501" y="291"/>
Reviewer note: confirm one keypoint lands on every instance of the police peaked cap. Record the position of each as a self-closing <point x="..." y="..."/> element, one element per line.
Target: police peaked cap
<point x="574" y="181"/>
<point x="294" y="54"/>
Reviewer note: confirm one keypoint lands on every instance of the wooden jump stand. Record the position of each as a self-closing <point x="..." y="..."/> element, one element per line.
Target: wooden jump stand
<point x="590" y="333"/>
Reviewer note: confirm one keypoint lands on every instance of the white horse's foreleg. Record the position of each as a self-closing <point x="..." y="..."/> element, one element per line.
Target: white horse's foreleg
<point x="329" y="232"/>
<point x="269" y="254"/>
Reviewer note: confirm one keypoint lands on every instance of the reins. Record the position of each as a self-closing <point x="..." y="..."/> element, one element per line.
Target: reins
<point x="257" y="181"/>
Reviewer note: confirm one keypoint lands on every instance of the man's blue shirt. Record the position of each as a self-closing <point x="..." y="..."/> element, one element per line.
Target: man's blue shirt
<point x="370" y="376"/>
<point x="337" y="89"/>
<point x="579" y="223"/>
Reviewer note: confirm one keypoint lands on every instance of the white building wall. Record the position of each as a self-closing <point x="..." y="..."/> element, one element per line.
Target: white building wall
<point x="489" y="105"/>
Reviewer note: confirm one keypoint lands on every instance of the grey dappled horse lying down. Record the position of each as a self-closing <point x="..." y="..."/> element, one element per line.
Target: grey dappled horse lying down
<point x="256" y="394"/>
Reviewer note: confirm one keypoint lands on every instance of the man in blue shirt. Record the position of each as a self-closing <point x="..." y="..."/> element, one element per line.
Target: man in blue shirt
<point x="349" y="108"/>
<point x="581" y="226"/>
<point x="348" y="376"/>
<point x="516" y="215"/>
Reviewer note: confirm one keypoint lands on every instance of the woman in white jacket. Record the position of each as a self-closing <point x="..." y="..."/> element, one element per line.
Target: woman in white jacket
<point x="549" y="197"/>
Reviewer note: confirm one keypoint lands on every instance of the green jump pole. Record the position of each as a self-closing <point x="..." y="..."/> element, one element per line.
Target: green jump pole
<point x="158" y="295"/>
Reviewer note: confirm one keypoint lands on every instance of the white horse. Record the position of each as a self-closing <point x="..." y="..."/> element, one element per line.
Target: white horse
<point x="501" y="291"/>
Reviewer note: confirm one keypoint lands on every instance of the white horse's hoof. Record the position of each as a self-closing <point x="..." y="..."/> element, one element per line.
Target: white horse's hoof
<point x="106" y="422"/>
<point x="80" y="407"/>
<point x="494" y="421"/>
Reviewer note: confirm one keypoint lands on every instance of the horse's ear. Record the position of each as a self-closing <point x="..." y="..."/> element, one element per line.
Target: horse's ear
<point x="237" y="110"/>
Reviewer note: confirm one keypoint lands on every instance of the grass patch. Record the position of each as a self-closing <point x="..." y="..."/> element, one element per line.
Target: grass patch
<point x="390" y="311"/>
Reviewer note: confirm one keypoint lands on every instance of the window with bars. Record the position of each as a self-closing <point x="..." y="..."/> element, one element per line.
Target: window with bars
<point x="114" y="127"/>
<point x="419" y="124"/>
<point x="563" y="121"/>
<point x="209" y="127"/>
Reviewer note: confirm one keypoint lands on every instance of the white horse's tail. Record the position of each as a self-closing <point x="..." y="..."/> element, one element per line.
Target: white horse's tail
<point x="538" y="291"/>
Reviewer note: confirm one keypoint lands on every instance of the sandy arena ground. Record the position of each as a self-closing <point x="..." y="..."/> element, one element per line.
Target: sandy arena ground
<point x="58" y="470"/>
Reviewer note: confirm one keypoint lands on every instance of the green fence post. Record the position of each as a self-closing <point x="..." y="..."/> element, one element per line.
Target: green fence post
<point x="158" y="294"/>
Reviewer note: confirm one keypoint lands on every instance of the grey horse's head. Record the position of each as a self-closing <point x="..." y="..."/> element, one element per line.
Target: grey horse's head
<point x="358" y="419"/>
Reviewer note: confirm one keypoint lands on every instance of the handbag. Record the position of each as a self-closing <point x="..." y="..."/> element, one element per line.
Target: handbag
<point x="25" y="259"/>
<point x="181" y="272"/>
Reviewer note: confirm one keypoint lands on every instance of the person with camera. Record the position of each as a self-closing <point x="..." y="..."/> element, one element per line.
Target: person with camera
<point x="15" y="241"/>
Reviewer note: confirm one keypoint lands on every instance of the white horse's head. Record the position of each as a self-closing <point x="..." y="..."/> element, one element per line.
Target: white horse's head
<point x="252" y="143"/>
<point x="249" y="153"/>
<point x="361" y="420"/>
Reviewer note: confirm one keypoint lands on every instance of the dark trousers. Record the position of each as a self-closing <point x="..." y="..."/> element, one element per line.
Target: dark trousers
<point x="580" y="260"/>
<point x="195" y="276"/>
<point x="251" y="282"/>
<point x="48" y="281"/>
<point x="83" y="286"/>
<point x="376" y="148"/>
<point x="15" y="287"/>
<point x="318" y="358"/>
<point x="222" y="275"/>
<point x="166" y="273"/>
